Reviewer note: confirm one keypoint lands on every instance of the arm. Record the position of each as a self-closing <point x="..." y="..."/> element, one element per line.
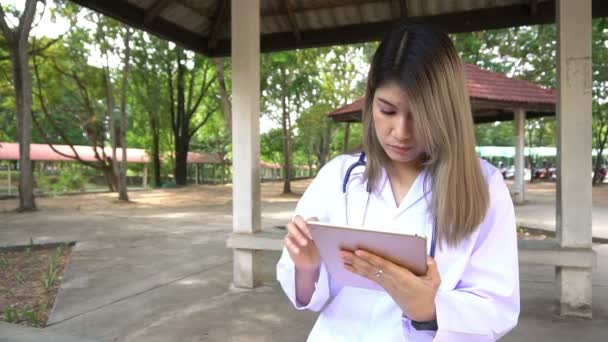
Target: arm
<point x="484" y="305"/>
<point x="308" y="287"/>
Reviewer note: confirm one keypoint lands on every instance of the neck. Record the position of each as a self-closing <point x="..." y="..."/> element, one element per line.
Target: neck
<point x="404" y="172"/>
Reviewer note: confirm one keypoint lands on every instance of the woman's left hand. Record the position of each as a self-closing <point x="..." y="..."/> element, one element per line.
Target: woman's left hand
<point x="414" y="294"/>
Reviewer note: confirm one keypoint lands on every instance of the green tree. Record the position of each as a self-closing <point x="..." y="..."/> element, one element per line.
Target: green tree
<point x="288" y="87"/>
<point x="150" y="93"/>
<point x="600" y="93"/>
<point x="193" y="100"/>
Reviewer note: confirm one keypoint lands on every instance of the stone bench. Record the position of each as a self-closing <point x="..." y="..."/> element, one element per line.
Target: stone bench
<point x="535" y="252"/>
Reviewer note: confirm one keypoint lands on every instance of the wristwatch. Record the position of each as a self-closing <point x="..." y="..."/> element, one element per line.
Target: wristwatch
<point x="427" y="325"/>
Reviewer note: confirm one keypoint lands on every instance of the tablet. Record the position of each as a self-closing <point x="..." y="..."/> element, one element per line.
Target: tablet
<point x="408" y="251"/>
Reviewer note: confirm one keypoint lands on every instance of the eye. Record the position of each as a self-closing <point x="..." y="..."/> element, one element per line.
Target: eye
<point x="387" y="111"/>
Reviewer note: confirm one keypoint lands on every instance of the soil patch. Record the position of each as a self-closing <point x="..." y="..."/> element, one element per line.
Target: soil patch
<point x="30" y="277"/>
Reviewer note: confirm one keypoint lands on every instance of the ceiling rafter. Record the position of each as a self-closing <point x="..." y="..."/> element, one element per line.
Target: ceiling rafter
<point x="220" y="14"/>
<point x="156" y="9"/>
<point x="292" y="19"/>
<point x="305" y="7"/>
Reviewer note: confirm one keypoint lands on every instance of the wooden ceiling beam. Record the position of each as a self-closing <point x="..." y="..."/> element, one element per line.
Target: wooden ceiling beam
<point x="133" y="16"/>
<point x="305" y="7"/>
<point x="220" y="14"/>
<point x="292" y="19"/>
<point x="533" y="7"/>
<point x="156" y="9"/>
<point x="403" y="7"/>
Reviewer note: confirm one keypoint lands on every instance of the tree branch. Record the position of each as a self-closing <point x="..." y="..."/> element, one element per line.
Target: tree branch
<point x="209" y="113"/>
<point x="8" y="32"/>
<point x="25" y="22"/>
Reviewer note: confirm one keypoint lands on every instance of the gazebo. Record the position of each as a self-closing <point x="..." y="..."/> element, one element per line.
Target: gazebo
<point x="494" y="97"/>
<point x="65" y="153"/>
<point x="244" y="28"/>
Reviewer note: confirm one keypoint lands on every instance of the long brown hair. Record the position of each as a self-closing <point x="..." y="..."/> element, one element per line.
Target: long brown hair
<point x="425" y="63"/>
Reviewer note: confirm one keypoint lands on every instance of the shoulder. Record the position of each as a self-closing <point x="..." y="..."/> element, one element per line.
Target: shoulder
<point x="331" y="175"/>
<point x="338" y="165"/>
<point x="488" y="170"/>
<point x="493" y="177"/>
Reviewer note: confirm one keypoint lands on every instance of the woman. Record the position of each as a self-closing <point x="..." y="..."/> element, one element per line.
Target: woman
<point x="421" y="175"/>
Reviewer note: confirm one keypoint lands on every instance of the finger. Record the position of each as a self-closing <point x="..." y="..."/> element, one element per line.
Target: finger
<point x="386" y="266"/>
<point x="301" y="224"/>
<point x="363" y="267"/>
<point x="296" y="233"/>
<point x="363" y="272"/>
<point x="291" y="246"/>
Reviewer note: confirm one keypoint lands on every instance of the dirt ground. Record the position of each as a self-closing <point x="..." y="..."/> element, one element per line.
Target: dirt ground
<point x="193" y="195"/>
<point x="204" y="195"/>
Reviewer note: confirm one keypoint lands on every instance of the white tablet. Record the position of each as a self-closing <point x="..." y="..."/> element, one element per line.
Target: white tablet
<point x="408" y="251"/>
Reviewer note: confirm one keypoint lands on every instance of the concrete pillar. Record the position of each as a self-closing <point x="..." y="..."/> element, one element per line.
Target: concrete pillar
<point x="144" y="181"/>
<point x="10" y="191"/>
<point x="574" y="150"/>
<point x="519" y="182"/>
<point x="245" y="25"/>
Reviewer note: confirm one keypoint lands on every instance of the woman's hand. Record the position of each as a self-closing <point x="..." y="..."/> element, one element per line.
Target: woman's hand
<point x="300" y="246"/>
<point x="415" y="295"/>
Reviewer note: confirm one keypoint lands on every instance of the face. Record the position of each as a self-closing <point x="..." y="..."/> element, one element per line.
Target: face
<point x="394" y="124"/>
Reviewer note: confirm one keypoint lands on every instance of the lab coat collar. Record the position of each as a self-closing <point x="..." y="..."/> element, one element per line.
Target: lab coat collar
<point x="415" y="194"/>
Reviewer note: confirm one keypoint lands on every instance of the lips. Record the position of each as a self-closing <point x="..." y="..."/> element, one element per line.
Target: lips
<point x="400" y="149"/>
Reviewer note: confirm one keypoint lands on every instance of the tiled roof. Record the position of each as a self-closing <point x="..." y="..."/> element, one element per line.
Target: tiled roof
<point x="10" y="151"/>
<point x="485" y="85"/>
<point x="489" y="85"/>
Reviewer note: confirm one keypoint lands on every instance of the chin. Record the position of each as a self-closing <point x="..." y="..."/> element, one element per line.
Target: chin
<point x="403" y="158"/>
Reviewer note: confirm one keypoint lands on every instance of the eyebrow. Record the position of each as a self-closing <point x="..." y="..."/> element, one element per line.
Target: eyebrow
<point x="386" y="101"/>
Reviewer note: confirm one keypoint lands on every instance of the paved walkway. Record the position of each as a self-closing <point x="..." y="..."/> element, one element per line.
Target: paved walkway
<point x="153" y="274"/>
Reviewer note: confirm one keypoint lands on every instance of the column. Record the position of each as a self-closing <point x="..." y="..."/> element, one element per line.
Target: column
<point x="245" y="27"/>
<point x="519" y="182"/>
<point x="574" y="150"/>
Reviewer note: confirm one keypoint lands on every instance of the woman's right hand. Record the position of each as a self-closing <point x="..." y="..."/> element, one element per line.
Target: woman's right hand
<point x="301" y="247"/>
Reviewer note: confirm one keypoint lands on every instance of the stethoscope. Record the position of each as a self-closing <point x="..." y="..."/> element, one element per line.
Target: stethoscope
<point x="361" y="162"/>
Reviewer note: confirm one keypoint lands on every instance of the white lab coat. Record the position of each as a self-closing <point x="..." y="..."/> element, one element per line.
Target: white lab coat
<point x="478" y="299"/>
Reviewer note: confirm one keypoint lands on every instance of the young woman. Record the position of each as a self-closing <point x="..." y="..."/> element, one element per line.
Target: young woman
<point x="419" y="174"/>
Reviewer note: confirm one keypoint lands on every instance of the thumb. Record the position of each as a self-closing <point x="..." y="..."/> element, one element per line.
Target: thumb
<point x="432" y="271"/>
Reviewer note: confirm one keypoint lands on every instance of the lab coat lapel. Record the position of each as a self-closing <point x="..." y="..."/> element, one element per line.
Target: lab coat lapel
<point x="356" y="201"/>
<point x="415" y="194"/>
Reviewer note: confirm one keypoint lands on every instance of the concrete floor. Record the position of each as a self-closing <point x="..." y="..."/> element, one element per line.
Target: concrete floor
<point x="164" y="275"/>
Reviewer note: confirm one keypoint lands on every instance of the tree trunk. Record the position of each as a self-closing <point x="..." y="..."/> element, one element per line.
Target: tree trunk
<point x="17" y="41"/>
<point x="181" y="151"/>
<point x="346" y="137"/>
<point x="226" y="103"/>
<point x="156" y="151"/>
<point x="122" y="178"/>
<point x="181" y="161"/>
<point x="286" y="151"/>
<point x="110" y="178"/>
<point x="23" y="92"/>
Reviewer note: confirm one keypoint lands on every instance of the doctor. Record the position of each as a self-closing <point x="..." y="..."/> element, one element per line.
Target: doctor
<point x="419" y="174"/>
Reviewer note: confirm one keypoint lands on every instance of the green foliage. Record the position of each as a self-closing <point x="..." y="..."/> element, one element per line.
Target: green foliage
<point x="4" y="261"/>
<point x="30" y="315"/>
<point x="11" y="314"/>
<point x="68" y="180"/>
<point x="272" y="146"/>
<point x="50" y="276"/>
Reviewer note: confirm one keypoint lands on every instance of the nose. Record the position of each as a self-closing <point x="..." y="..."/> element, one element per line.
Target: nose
<point x="402" y="129"/>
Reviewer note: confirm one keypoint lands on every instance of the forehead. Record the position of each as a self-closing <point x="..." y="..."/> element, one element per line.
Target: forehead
<point x="392" y="92"/>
